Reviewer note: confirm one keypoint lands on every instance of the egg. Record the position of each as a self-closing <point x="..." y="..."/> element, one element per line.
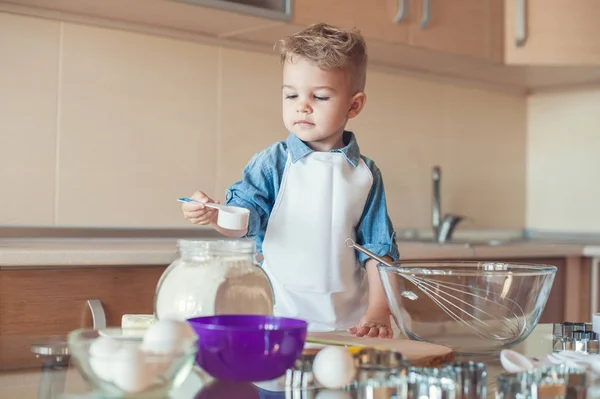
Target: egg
<point x="102" y="350"/>
<point x="104" y="346"/>
<point x="334" y="367"/>
<point x="131" y="372"/>
<point x="165" y="336"/>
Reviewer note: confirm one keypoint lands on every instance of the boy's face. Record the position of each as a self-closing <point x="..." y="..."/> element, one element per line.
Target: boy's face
<point x="317" y="103"/>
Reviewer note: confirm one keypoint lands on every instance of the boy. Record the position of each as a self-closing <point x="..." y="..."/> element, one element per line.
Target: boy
<point x="307" y="194"/>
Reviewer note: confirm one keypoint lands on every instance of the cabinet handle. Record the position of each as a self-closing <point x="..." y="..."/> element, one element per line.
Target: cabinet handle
<point x="425" y="17"/>
<point x="521" y="23"/>
<point x="98" y="315"/>
<point x="595" y="273"/>
<point x="401" y="14"/>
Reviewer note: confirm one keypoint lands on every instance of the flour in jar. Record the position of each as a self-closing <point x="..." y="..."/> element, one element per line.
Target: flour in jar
<point x="217" y="286"/>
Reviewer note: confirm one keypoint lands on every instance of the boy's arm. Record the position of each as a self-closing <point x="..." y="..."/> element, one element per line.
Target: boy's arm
<point x="256" y="191"/>
<point x="375" y="230"/>
<point x="376" y="233"/>
<point x="376" y="320"/>
<point x="377" y="302"/>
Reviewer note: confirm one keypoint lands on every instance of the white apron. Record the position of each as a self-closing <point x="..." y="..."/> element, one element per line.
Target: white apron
<point x="315" y="276"/>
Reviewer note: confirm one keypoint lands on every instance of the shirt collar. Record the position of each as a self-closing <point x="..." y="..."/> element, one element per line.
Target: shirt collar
<point x="298" y="149"/>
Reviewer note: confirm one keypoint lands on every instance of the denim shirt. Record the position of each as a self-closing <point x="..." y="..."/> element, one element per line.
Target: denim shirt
<point x="261" y="179"/>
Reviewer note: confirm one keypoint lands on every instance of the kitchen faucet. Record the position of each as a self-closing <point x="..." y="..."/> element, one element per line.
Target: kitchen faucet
<point x="442" y="229"/>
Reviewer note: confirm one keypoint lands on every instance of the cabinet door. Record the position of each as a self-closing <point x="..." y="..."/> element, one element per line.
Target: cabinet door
<point x="552" y="32"/>
<point x="462" y="27"/>
<point x="555" y="309"/>
<point x="375" y="18"/>
<point x="38" y="305"/>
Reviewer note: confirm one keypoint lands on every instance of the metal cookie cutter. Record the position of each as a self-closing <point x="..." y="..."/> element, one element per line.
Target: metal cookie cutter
<point x="381" y="374"/>
<point x="567" y="328"/>
<point x="378" y="370"/>
<point x="556" y="381"/>
<point x="432" y="383"/>
<point x="381" y="365"/>
<point x="577" y="384"/>
<point x="382" y="360"/>
<point x="577" y="337"/>
<point x="470" y="379"/>
<point x="300" y="377"/>
<point x="514" y="386"/>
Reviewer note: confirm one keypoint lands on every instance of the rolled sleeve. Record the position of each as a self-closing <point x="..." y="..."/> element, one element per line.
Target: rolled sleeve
<point x="375" y="230"/>
<point x="253" y="192"/>
<point x="380" y="249"/>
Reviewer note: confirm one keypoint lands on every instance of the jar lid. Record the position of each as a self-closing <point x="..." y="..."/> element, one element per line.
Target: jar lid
<point x="217" y="247"/>
<point x="52" y="346"/>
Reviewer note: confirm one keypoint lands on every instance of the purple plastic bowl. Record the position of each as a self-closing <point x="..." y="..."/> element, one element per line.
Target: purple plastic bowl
<point x="248" y="348"/>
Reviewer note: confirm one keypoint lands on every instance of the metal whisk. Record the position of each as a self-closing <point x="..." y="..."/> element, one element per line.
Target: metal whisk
<point x="508" y="317"/>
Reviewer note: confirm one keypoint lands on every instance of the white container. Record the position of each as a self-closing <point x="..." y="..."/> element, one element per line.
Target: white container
<point x="596" y="323"/>
<point x="212" y="277"/>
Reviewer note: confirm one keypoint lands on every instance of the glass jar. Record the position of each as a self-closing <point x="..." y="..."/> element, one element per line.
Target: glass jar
<point x="212" y="277"/>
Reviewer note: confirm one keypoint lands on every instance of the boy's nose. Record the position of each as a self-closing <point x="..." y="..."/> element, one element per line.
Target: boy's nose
<point x="303" y="108"/>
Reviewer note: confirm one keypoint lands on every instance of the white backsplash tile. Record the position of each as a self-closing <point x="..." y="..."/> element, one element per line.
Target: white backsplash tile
<point x="28" y="103"/>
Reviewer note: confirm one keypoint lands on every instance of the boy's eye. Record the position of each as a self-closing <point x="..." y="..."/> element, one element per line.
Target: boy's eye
<point x="290" y="96"/>
<point x="321" y="98"/>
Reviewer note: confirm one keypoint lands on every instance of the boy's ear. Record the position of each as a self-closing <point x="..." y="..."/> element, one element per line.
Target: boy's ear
<point x="357" y="104"/>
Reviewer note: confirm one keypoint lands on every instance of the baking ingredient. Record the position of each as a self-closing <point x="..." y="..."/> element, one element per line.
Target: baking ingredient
<point x="514" y="362"/>
<point x="133" y="362"/>
<point x="231" y="285"/>
<point x="131" y="373"/>
<point x="101" y="352"/>
<point x="133" y="324"/>
<point x="165" y="336"/>
<point x="334" y="367"/>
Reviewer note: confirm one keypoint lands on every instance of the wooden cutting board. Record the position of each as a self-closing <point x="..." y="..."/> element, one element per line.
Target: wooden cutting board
<point x="422" y="354"/>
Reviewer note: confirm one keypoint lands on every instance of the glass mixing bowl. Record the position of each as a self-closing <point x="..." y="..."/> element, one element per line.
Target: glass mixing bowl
<point x="115" y="364"/>
<point x="471" y="307"/>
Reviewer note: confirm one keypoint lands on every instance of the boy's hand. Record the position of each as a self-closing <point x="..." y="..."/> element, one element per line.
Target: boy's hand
<point x="375" y="323"/>
<point x="376" y="320"/>
<point x="198" y="213"/>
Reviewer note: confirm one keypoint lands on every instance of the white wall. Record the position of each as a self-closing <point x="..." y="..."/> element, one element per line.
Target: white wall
<point x="563" y="161"/>
<point x="103" y="127"/>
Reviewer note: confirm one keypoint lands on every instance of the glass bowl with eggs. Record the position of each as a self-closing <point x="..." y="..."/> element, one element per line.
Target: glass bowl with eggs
<point x="135" y="363"/>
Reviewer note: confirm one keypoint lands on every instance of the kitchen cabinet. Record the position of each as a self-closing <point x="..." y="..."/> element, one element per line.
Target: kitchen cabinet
<point x="555" y="309"/>
<point x="469" y="42"/>
<point x="274" y="9"/>
<point x="36" y="304"/>
<point x="552" y="32"/>
<point x="212" y="18"/>
<point x="529" y="33"/>
<point x="569" y="298"/>
<point x="458" y="27"/>
<point x="385" y="20"/>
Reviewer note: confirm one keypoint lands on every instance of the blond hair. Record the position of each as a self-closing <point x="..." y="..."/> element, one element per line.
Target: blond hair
<point x="329" y="47"/>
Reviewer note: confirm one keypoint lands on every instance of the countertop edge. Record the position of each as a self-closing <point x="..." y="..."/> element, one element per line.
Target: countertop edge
<point x="65" y="253"/>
